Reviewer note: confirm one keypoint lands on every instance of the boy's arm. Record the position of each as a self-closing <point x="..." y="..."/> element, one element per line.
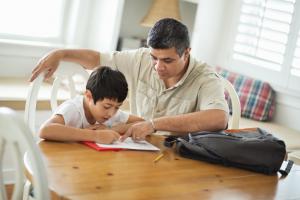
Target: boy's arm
<point x="55" y="129"/>
<point x="123" y="127"/>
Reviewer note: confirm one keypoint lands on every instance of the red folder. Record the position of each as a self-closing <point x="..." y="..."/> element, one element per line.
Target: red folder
<point x="93" y="145"/>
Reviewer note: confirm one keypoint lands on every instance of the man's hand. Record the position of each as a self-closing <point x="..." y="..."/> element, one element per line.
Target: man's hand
<point x="106" y="136"/>
<point x="138" y="131"/>
<point x="47" y="64"/>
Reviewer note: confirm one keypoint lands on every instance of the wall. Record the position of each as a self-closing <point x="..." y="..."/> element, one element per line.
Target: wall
<point x="207" y="30"/>
<point x="135" y="10"/>
<point x="104" y="25"/>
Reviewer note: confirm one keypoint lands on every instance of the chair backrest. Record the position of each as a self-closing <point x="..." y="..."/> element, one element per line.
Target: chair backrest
<point x="235" y="104"/>
<point x="66" y="71"/>
<point x="14" y="133"/>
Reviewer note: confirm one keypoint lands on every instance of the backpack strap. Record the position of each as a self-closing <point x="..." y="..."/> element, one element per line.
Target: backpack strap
<point x="170" y="140"/>
<point x="286" y="167"/>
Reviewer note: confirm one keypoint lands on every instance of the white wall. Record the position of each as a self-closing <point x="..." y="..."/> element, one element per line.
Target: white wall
<point x="208" y="30"/>
<point x="104" y="24"/>
<point x="135" y="10"/>
<point x="18" y="59"/>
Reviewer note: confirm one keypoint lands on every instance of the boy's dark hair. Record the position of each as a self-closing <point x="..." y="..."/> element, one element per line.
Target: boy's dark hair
<point x="105" y="82"/>
<point x="167" y="33"/>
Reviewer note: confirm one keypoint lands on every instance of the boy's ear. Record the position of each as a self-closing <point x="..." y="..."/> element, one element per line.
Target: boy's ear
<point x="88" y="95"/>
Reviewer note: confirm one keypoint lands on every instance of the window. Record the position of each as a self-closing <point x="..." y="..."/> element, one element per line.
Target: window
<point x="32" y="19"/>
<point x="265" y="41"/>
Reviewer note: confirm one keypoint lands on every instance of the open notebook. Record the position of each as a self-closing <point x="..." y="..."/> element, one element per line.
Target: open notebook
<point x="127" y="144"/>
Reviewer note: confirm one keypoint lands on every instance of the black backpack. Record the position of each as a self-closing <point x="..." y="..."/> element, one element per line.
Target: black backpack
<point x="252" y="149"/>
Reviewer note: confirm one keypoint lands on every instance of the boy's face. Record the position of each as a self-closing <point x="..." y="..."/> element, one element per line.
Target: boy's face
<point x="103" y="109"/>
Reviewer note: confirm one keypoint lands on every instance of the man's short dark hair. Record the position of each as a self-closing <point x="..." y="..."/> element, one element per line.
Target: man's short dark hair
<point x="105" y="82"/>
<point x="168" y="33"/>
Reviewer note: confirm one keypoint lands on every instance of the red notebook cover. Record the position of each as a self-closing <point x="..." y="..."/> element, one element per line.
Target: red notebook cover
<point x="93" y="145"/>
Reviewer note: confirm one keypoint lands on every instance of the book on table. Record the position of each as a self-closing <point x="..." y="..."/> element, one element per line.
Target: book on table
<point x="127" y="144"/>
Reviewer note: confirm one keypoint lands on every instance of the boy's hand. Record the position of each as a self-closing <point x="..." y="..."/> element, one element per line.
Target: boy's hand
<point x="106" y="136"/>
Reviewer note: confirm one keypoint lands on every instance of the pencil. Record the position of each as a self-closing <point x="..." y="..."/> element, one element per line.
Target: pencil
<point x="158" y="157"/>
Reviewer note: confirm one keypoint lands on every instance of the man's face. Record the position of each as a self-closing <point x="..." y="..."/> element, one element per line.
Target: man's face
<point x="168" y="63"/>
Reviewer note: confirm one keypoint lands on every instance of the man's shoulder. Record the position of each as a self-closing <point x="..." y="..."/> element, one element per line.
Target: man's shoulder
<point x="202" y="68"/>
<point x="138" y="51"/>
<point x="142" y="52"/>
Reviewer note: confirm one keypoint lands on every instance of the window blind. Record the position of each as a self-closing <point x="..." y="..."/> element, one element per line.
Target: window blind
<point x="262" y="33"/>
<point x="295" y="69"/>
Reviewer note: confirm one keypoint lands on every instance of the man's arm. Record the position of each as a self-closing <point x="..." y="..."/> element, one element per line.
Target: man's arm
<point x="55" y="129"/>
<point x="123" y="127"/>
<point x="49" y="63"/>
<point x="207" y="120"/>
<point x="134" y="119"/>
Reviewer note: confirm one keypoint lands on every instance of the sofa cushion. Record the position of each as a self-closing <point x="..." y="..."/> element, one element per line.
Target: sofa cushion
<point x="257" y="98"/>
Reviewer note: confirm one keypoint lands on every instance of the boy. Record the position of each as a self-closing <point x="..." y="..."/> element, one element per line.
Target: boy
<point x="86" y="118"/>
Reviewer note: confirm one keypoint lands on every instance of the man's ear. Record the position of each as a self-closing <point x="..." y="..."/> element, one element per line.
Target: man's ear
<point x="88" y="95"/>
<point x="187" y="53"/>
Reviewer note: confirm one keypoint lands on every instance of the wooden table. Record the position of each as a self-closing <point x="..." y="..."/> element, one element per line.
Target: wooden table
<point x="76" y="171"/>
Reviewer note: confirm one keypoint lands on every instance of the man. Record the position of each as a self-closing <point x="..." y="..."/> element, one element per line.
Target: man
<point x="170" y="89"/>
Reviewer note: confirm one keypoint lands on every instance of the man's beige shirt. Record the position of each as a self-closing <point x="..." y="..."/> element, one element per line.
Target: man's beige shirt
<point x="199" y="89"/>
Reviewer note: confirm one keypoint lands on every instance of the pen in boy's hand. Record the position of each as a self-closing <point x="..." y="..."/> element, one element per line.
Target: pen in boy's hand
<point x="158" y="157"/>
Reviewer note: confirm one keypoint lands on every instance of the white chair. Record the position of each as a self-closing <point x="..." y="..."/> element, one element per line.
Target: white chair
<point x="66" y="71"/>
<point x="235" y="103"/>
<point x="16" y="134"/>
